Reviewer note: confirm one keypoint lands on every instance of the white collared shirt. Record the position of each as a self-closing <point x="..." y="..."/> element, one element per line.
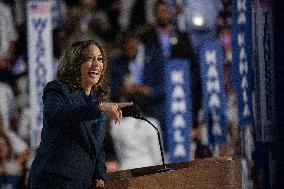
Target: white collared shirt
<point x="136" y="143"/>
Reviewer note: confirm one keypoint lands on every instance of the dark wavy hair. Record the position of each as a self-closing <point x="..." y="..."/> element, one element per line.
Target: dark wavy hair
<point x="69" y="67"/>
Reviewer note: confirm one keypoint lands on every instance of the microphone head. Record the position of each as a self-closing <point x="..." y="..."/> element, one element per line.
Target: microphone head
<point x="131" y="111"/>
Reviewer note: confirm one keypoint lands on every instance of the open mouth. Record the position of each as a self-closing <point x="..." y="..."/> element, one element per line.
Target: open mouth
<point x="94" y="73"/>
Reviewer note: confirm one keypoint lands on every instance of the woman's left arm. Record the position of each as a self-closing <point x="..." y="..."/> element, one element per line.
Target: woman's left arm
<point x="100" y="169"/>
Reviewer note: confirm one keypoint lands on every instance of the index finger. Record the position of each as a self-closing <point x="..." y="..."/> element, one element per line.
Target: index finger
<point x="124" y="104"/>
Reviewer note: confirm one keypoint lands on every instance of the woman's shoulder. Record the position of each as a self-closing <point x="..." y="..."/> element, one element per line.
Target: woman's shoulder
<point x="56" y="85"/>
<point x="53" y="84"/>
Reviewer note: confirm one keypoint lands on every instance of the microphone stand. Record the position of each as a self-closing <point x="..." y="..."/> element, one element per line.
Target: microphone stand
<point x="164" y="169"/>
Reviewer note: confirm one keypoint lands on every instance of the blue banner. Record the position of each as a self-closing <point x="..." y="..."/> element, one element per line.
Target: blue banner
<point x="213" y="89"/>
<point x="242" y="59"/>
<point x="178" y="112"/>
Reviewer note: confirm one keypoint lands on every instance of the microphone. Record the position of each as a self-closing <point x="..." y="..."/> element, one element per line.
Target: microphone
<point x="132" y="111"/>
<point x="135" y="112"/>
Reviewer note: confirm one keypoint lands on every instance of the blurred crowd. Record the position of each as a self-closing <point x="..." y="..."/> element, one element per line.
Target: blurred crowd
<point x="140" y="36"/>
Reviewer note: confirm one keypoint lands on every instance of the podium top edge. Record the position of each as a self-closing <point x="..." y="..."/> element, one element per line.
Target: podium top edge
<point x="136" y="172"/>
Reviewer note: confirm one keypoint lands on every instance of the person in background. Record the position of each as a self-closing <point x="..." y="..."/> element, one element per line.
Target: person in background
<point x="11" y="169"/>
<point x="136" y="14"/>
<point x="112" y="9"/>
<point x="137" y="75"/>
<point x="225" y="38"/>
<point x="163" y="35"/>
<point x="8" y="39"/>
<point x="173" y="44"/>
<point x="84" y="21"/>
<point x="71" y="153"/>
<point x="199" y="137"/>
<point x="9" y="115"/>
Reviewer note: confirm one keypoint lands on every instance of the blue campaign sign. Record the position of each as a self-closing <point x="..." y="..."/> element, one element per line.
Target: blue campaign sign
<point x="178" y="109"/>
<point x="242" y="59"/>
<point x="213" y="89"/>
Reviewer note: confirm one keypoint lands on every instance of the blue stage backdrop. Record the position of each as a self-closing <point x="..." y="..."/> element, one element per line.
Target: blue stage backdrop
<point x="178" y="112"/>
<point x="213" y="89"/>
<point x="242" y="58"/>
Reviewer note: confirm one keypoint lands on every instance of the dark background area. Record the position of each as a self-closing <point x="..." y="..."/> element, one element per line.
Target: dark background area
<point x="279" y="86"/>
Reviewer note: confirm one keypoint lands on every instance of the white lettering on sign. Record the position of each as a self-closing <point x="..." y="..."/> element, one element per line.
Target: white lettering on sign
<point x="178" y="107"/>
<point x="178" y="138"/>
<point x="179" y="150"/>
<point x="210" y="57"/>
<point x="241" y="6"/>
<point x="177" y="77"/>
<point x="178" y="92"/>
<point x="243" y="71"/>
<point x="178" y="121"/>
<point x="213" y="89"/>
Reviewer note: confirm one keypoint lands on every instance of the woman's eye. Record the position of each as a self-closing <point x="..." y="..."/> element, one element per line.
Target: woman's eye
<point x="100" y="59"/>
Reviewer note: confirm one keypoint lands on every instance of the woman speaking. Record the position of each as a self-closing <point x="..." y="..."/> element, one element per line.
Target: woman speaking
<point x="71" y="153"/>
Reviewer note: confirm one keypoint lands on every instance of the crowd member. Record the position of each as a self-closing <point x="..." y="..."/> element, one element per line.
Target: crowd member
<point x="8" y="38"/>
<point x="224" y="18"/>
<point x="92" y="20"/>
<point x="134" y="78"/>
<point x="231" y="112"/>
<point x="112" y="8"/>
<point x="226" y="41"/>
<point x="138" y="75"/>
<point x="136" y="14"/>
<point x="8" y="106"/>
<point x="8" y="35"/>
<point x="84" y="21"/>
<point x="199" y="139"/>
<point x="71" y="153"/>
<point x="173" y="44"/>
<point x="162" y="35"/>
<point x="11" y="169"/>
<point x="9" y="114"/>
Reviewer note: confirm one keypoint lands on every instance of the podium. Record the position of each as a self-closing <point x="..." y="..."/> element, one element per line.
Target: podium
<point x="209" y="173"/>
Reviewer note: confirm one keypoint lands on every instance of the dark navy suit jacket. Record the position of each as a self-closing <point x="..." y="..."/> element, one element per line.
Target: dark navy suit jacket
<point x="71" y="153"/>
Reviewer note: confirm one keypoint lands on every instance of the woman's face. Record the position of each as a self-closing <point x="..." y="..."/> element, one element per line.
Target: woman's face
<point x="92" y="68"/>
